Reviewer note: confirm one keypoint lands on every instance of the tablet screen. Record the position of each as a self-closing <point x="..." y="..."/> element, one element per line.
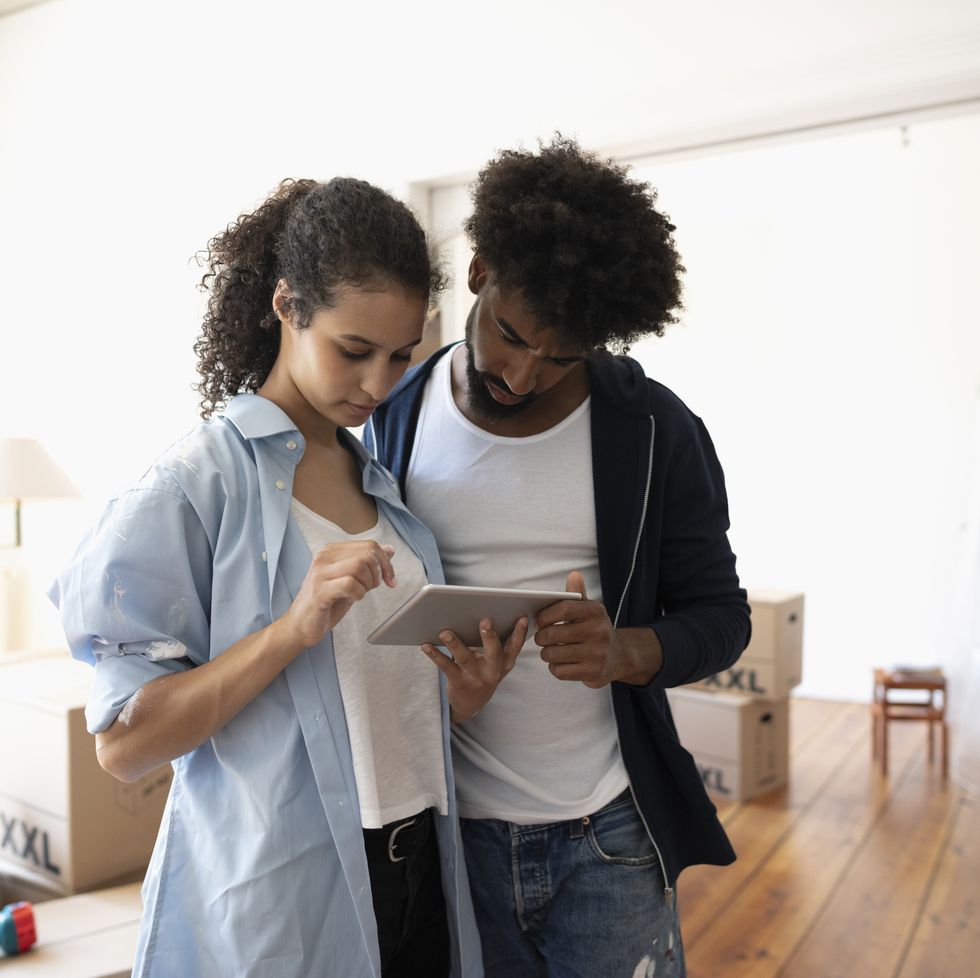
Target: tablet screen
<point x="438" y="606"/>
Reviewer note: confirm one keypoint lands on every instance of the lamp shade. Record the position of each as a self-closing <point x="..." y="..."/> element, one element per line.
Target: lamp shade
<point x="28" y="472"/>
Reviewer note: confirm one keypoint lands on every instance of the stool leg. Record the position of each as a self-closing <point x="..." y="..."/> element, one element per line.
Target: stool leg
<point x="932" y="751"/>
<point x="884" y="742"/>
<point x="945" y="750"/>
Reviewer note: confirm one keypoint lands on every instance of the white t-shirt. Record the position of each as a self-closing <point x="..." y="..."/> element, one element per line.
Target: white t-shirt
<point x="518" y="512"/>
<point x="390" y="693"/>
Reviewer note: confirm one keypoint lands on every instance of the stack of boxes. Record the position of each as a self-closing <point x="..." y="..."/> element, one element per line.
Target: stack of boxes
<point x="736" y="723"/>
<point x="66" y="826"/>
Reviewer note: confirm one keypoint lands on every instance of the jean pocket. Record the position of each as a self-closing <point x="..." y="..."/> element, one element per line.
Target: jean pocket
<point x="616" y="835"/>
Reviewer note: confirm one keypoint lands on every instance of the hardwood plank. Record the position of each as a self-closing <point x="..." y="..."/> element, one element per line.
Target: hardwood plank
<point x="863" y="926"/>
<point x="758" y="928"/>
<point x="757" y="827"/>
<point x="946" y="942"/>
<point x="808" y="717"/>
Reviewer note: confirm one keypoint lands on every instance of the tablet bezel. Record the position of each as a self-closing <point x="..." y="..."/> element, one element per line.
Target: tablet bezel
<point x="460" y="609"/>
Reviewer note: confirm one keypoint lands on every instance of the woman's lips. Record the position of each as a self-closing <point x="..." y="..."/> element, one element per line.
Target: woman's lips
<point x="361" y="410"/>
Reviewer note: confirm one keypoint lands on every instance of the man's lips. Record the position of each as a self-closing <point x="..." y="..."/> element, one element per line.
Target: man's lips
<point x="502" y="396"/>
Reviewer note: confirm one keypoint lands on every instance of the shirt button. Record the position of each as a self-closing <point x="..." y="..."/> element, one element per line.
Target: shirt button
<point x="290" y="444"/>
<point x="280" y="484"/>
<point x="265" y="556"/>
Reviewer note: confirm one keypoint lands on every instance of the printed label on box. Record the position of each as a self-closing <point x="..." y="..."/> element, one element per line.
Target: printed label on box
<point x="135" y="797"/>
<point x="32" y="838"/>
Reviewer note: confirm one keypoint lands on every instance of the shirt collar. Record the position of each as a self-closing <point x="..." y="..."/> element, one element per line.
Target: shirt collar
<point x="257" y="417"/>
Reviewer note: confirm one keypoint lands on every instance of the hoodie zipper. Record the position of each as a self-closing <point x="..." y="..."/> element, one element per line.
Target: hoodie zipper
<point x="668" y="889"/>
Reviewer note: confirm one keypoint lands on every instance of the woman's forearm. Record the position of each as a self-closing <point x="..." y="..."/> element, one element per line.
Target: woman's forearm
<point x="174" y="714"/>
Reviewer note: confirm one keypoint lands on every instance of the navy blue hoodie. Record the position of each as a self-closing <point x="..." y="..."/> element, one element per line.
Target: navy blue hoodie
<point x="664" y="563"/>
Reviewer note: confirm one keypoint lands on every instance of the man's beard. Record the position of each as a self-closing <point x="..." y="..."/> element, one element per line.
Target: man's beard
<point x="480" y="400"/>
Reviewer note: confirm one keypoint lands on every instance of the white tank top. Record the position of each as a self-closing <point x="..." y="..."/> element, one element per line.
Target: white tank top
<point x="390" y="693"/>
<point x="518" y="512"/>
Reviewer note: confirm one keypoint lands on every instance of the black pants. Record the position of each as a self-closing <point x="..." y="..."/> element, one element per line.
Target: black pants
<point x="406" y="888"/>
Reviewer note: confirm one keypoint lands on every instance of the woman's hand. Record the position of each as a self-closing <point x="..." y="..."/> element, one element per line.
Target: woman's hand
<point x="339" y="575"/>
<point x="174" y="714"/>
<point x="473" y="674"/>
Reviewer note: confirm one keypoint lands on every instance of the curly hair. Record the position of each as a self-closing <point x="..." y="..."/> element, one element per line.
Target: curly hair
<point x="320" y="238"/>
<point x="582" y="244"/>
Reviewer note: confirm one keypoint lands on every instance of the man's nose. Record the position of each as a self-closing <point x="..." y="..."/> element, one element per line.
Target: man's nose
<point x="521" y="374"/>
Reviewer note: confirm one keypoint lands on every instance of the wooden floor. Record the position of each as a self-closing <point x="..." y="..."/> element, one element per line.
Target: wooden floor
<point x="844" y="873"/>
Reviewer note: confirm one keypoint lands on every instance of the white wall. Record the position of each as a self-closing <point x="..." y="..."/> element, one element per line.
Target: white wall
<point x="130" y="133"/>
<point x="832" y="344"/>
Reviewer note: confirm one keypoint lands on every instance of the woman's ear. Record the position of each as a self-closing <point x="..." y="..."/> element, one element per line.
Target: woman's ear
<point x="281" y="301"/>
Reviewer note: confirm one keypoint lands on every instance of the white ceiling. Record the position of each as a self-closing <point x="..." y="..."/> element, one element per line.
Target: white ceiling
<point x="12" y="6"/>
<point x="448" y="82"/>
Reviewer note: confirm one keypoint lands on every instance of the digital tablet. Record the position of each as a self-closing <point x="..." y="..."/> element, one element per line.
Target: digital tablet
<point x="438" y="606"/>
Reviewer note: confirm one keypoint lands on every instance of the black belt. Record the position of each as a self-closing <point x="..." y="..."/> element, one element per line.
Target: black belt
<point x="398" y="840"/>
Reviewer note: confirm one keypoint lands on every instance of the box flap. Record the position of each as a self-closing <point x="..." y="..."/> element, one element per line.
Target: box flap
<point x="55" y="684"/>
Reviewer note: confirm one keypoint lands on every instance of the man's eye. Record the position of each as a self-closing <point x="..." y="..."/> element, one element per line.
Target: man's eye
<point x="351" y="355"/>
<point x="513" y="340"/>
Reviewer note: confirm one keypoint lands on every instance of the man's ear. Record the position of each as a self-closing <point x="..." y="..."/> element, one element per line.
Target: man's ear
<point x="478" y="274"/>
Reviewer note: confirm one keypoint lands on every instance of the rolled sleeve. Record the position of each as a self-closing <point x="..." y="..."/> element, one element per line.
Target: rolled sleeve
<point x="116" y="679"/>
<point x="135" y="600"/>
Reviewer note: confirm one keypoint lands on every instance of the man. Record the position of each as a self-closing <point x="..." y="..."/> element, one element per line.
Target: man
<point x="540" y="460"/>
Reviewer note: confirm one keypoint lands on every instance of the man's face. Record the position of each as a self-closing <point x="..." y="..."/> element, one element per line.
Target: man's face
<point x="512" y="361"/>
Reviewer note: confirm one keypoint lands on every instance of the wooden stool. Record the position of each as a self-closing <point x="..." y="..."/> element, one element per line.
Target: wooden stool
<point x="884" y="710"/>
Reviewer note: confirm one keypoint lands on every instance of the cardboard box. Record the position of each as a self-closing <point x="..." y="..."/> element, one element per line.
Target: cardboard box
<point x="19" y="885"/>
<point x="90" y="936"/>
<point x="772" y="663"/>
<point x="740" y="743"/>
<point x="61" y="816"/>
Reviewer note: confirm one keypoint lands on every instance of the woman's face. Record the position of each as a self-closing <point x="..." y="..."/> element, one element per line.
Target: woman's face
<point x="342" y="366"/>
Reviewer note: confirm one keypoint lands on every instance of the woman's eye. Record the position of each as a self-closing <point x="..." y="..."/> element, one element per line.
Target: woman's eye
<point x="351" y="355"/>
<point x="401" y="357"/>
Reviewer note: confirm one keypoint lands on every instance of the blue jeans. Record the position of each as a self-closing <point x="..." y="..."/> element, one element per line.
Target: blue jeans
<point x="577" y="899"/>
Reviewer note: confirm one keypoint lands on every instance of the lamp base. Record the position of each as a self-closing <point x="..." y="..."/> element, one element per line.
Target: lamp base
<point x="14" y="575"/>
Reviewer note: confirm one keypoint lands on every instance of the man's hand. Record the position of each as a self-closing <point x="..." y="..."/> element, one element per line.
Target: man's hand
<point x="580" y="644"/>
<point x="473" y="675"/>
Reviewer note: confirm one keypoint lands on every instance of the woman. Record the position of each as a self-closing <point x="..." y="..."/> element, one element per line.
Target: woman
<point x="223" y="600"/>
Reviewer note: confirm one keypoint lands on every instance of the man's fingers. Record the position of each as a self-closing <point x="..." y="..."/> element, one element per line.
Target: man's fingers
<point x="442" y="661"/>
<point x="461" y="654"/>
<point x="576" y="583"/>
<point x="578" y="672"/>
<point x="562" y="653"/>
<point x="563" y="611"/>
<point x="490" y="639"/>
<point x="568" y="633"/>
<point x="517" y="638"/>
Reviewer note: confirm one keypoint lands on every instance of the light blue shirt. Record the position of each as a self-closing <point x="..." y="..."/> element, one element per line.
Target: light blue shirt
<point x="259" y="868"/>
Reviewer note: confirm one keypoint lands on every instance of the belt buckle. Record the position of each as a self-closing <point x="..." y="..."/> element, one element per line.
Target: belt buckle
<point x="393" y="836"/>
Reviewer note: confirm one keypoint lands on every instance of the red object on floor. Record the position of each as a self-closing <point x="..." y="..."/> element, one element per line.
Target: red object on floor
<point x="17" y="930"/>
